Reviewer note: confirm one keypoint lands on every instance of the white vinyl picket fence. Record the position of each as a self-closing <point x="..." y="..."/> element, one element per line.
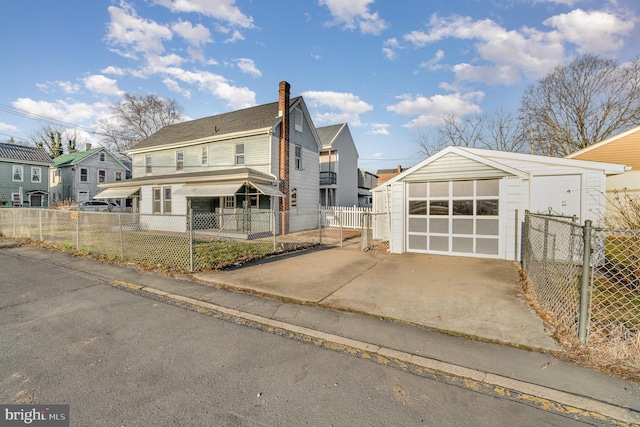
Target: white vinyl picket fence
<point x="345" y="217"/>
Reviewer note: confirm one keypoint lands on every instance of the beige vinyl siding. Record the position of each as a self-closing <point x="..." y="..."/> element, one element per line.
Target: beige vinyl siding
<point x="625" y="151"/>
<point x="515" y="196"/>
<point x="452" y="167"/>
<point x="397" y="202"/>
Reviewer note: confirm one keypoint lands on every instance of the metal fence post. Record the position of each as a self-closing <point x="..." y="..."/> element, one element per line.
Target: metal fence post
<point x="121" y="237"/>
<point x="584" y="282"/>
<point x="15" y="227"/>
<point x="191" y="266"/>
<point x="272" y="216"/>
<point x="40" y="223"/>
<point x="78" y="231"/>
<point x="320" y="225"/>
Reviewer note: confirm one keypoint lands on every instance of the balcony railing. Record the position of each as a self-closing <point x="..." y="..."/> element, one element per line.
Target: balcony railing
<point x="328" y="178"/>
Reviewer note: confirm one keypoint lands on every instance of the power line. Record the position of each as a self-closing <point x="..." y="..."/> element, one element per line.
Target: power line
<point x="44" y="119"/>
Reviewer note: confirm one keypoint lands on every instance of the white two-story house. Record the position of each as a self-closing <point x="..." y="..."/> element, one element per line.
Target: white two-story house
<point x="239" y="164"/>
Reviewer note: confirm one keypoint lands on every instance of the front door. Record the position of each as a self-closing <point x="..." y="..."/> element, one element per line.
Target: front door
<point x="36" y="200"/>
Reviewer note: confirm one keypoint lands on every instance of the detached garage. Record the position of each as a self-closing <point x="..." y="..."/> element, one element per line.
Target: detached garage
<point x="470" y="202"/>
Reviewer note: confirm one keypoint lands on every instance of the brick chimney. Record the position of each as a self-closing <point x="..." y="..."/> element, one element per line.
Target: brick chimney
<point x="399" y="169"/>
<point x="283" y="111"/>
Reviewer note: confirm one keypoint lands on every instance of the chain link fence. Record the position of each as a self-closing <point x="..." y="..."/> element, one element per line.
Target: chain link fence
<point x="185" y="242"/>
<point x="588" y="281"/>
<point x="375" y="232"/>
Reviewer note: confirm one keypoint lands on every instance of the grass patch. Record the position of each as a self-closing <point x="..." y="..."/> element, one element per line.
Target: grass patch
<point x="220" y="254"/>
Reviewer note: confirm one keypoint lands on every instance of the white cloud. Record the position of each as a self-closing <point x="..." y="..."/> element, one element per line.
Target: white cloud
<point x="434" y="63"/>
<point x="247" y="66"/>
<point x="389" y="48"/>
<point x="7" y="127"/>
<point x="64" y="111"/>
<point x="431" y="110"/>
<point x="378" y="129"/>
<point x="116" y="71"/>
<point x="222" y="10"/>
<point x="235" y="36"/>
<point x="236" y="97"/>
<point x="197" y="35"/>
<point x="348" y="106"/>
<point x="128" y="30"/>
<point x="100" y="84"/>
<point x="174" y="86"/>
<point x="592" y="31"/>
<point x="355" y="14"/>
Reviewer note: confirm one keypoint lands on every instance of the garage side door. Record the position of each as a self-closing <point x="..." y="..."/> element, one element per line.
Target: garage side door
<point x="454" y="217"/>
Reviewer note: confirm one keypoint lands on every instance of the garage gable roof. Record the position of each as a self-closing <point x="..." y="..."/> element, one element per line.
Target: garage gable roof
<point x="500" y="161"/>
<point x="484" y="166"/>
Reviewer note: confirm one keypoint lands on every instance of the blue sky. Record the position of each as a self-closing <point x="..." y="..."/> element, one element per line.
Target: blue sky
<point x="390" y="69"/>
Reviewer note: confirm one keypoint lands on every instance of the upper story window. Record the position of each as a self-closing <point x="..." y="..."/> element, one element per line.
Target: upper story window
<point x="205" y="156"/>
<point x="117" y="176"/>
<point x="36" y="174"/>
<point x="18" y="173"/>
<point x="298" y="119"/>
<point x="147" y="164"/>
<point x="239" y="154"/>
<point x="83" y="175"/>
<point x="298" y="156"/>
<point x="102" y="176"/>
<point x="102" y="157"/>
<point x="179" y="160"/>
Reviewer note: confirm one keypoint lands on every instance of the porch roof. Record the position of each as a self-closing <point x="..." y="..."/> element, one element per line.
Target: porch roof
<point x="117" y="193"/>
<point x="209" y="190"/>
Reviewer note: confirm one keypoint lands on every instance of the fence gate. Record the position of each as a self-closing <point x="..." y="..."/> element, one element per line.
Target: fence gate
<point x="331" y="228"/>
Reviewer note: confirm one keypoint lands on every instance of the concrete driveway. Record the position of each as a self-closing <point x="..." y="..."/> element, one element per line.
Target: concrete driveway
<point x="473" y="296"/>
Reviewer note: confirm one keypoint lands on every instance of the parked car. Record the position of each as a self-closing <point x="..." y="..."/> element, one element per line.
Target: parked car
<point x="96" y="206"/>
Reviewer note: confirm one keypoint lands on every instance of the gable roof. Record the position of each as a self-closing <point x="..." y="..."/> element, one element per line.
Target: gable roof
<point x="253" y="118"/>
<point x="328" y="134"/>
<point x="23" y="153"/>
<point x="621" y="148"/>
<point x="72" y="159"/>
<point x="501" y="160"/>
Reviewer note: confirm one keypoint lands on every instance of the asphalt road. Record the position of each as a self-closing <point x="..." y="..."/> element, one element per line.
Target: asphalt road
<point x="119" y="359"/>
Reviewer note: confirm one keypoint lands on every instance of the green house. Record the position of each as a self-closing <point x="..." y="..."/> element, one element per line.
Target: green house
<point x="24" y="176"/>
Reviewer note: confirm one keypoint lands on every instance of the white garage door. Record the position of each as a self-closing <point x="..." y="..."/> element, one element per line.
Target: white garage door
<point x="454" y="217"/>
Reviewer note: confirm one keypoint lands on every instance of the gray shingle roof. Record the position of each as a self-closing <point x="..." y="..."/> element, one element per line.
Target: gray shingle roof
<point x="23" y="153"/>
<point x="259" y="117"/>
<point x="328" y="133"/>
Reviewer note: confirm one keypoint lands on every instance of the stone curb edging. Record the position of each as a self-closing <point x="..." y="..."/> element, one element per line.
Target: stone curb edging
<point x="545" y="398"/>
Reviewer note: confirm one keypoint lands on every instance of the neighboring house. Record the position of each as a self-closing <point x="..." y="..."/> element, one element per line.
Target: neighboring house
<point x="77" y="175"/>
<point x="338" y="166"/>
<point x="250" y="161"/>
<point x="366" y="181"/>
<point x="24" y="176"/>
<point x="623" y="148"/>
<point x="385" y="175"/>
<point x="471" y="202"/>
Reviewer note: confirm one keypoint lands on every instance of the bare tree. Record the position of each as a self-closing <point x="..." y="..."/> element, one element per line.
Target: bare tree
<point x="582" y="103"/>
<point x="136" y="118"/>
<point x="56" y="140"/>
<point x="499" y="130"/>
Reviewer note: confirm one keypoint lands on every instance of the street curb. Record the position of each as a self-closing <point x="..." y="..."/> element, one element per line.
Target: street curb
<point x="568" y="404"/>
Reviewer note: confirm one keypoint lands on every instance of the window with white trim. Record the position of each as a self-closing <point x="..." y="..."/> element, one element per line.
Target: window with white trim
<point x="36" y="174"/>
<point x="83" y="175"/>
<point x="157" y="200"/>
<point x="205" y="156"/>
<point x="298" y="157"/>
<point x="147" y="164"/>
<point x="166" y="201"/>
<point x="229" y="202"/>
<point x="18" y="173"/>
<point x="117" y="176"/>
<point x="102" y="157"/>
<point x="298" y="119"/>
<point x="102" y="176"/>
<point x="179" y="161"/>
<point x="239" y="154"/>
